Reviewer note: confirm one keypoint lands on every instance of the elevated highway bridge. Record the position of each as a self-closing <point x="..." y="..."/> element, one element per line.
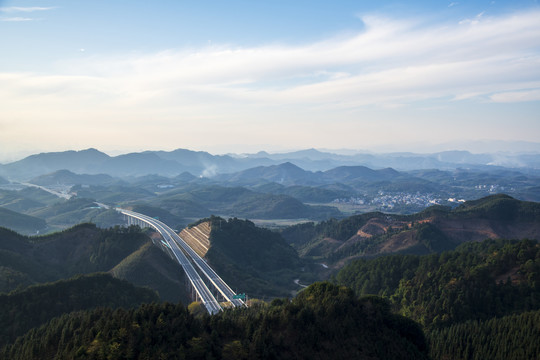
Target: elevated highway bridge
<point x="200" y="275"/>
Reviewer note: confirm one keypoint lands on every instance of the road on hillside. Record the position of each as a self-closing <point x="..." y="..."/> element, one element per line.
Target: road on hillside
<point x="223" y="288"/>
<point x="168" y="235"/>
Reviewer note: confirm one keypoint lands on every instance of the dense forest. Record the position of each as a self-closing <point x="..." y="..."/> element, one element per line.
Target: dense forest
<point x="22" y="310"/>
<point x="439" y="299"/>
<point x="127" y="253"/>
<point x="511" y="337"/>
<point x="257" y="260"/>
<point x="324" y="322"/>
<point x="462" y="297"/>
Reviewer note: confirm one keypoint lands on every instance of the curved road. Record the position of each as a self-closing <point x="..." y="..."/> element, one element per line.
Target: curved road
<point x="209" y="301"/>
<point x="218" y="282"/>
<point x="175" y="242"/>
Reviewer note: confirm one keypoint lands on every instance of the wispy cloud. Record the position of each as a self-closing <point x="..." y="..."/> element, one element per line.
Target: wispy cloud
<point x="475" y="20"/>
<point x="391" y="59"/>
<point x="19" y="9"/>
<point x="516" y="96"/>
<point x="12" y="9"/>
<point x="392" y="63"/>
<point x="16" y="19"/>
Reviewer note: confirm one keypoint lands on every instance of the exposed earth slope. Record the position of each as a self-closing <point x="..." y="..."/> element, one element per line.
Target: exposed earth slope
<point x="433" y="230"/>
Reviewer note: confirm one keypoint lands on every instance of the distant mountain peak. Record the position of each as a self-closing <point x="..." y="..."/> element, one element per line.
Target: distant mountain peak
<point x="289" y="165"/>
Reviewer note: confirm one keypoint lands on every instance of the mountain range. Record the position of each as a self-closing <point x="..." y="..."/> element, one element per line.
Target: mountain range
<point x="199" y="163"/>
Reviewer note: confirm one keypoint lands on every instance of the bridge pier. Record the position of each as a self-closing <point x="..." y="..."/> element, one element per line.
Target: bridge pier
<point x="193" y="296"/>
<point x="134" y="221"/>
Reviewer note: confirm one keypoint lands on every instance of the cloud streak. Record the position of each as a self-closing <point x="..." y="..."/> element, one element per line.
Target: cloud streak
<point x="19" y="9"/>
<point x="14" y="9"/>
<point x="390" y="60"/>
<point x="16" y="19"/>
<point x="393" y="63"/>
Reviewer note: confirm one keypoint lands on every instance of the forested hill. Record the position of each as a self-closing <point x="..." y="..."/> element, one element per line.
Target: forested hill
<point x="20" y="222"/>
<point x="461" y="295"/>
<point x="512" y="337"/>
<point x="435" y="229"/>
<point x="323" y="322"/>
<point x="22" y="310"/>
<point x="256" y="260"/>
<point x="125" y="252"/>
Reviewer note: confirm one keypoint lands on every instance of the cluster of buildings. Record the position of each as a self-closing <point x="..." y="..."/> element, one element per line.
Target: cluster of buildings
<point x="390" y="201"/>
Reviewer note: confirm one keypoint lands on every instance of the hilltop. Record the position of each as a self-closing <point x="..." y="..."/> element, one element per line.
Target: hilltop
<point x="24" y="309"/>
<point x="256" y="260"/>
<point x="68" y="177"/>
<point x="252" y="259"/>
<point x="432" y="230"/>
<point x="480" y="301"/>
<point x="324" y="322"/>
<point x="127" y="253"/>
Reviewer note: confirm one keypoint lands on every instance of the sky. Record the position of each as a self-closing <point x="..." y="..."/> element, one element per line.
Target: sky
<point x="245" y="76"/>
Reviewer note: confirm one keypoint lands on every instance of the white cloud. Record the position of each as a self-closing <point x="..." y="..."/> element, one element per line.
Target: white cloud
<point x="12" y="9"/>
<point x="16" y="19"/>
<point x="18" y="9"/>
<point x="516" y="96"/>
<point x="391" y="60"/>
<point x="393" y="64"/>
<point x="474" y="20"/>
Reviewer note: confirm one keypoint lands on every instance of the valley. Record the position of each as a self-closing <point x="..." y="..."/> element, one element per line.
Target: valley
<point x="275" y="232"/>
<point x="267" y="189"/>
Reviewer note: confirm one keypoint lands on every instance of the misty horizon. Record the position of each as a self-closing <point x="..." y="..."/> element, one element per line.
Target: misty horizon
<point x="478" y="147"/>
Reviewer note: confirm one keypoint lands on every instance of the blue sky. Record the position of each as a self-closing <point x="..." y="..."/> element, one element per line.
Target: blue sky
<point x="242" y="76"/>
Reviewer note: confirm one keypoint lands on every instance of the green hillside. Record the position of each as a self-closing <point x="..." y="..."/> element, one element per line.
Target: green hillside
<point x="69" y="178"/>
<point x="20" y="222"/>
<point x="73" y="204"/>
<point x="147" y="267"/>
<point x="254" y="259"/>
<point x="9" y="200"/>
<point x="27" y="200"/>
<point x="506" y="338"/>
<point x="500" y="208"/>
<point x="468" y="300"/>
<point x="83" y="249"/>
<point x="158" y="213"/>
<point x="22" y="310"/>
<point x="104" y="218"/>
<point x="323" y="322"/>
<point x="476" y="281"/>
<point x="68" y="213"/>
<point x="241" y="202"/>
<point x="39" y="195"/>
<point x="435" y="229"/>
<point x="112" y="194"/>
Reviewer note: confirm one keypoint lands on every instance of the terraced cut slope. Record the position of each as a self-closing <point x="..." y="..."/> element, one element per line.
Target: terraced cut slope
<point x="198" y="237"/>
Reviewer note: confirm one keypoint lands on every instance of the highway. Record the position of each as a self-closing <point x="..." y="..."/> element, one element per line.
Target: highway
<point x="169" y="236"/>
<point x="174" y="243"/>
<point x="223" y="288"/>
